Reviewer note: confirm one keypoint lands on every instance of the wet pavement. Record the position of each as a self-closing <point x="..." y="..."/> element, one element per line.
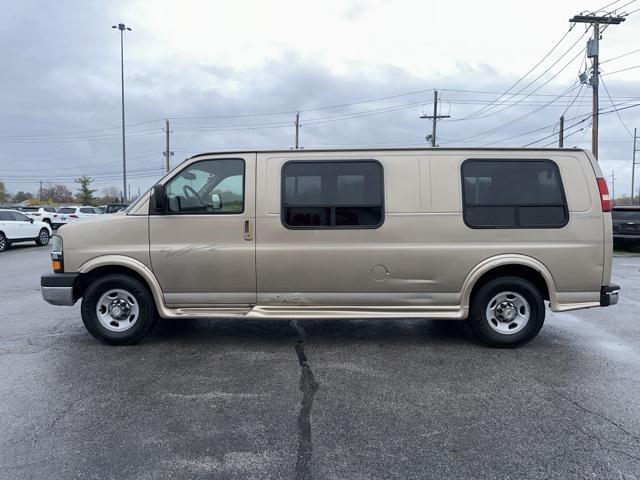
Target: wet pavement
<point x="349" y="399"/>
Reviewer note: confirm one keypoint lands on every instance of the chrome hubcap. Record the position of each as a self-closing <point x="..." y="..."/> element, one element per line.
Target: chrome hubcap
<point x="508" y="313"/>
<point x="117" y="310"/>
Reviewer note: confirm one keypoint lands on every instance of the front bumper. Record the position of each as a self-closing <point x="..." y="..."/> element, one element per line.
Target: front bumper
<point x="609" y="295"/>
<point x="57" y="288"/>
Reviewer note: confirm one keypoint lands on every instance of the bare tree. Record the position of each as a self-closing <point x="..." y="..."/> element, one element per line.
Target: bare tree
<point x="57" y="193"/>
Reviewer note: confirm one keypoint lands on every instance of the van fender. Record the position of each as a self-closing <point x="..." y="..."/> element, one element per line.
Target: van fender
<point x="132" y="264"/>
<point x="502" y="260"/>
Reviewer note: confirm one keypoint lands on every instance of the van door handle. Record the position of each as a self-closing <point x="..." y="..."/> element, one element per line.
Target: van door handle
<point x="247" y="230"/>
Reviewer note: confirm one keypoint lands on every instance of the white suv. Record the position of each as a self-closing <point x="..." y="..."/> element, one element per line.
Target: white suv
<point x="43" y="214"/>
<point x="73" y="214"/>
<point x="17" y="227"/>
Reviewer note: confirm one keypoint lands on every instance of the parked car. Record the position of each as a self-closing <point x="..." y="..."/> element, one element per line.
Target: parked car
<point x="626" y="224"/>
<point x="16" y="227"/>
<point x="113" y="207"/>
<point x="482" y="235"/>
<point x="72" y="214"/>
<point x="47" y="215"/>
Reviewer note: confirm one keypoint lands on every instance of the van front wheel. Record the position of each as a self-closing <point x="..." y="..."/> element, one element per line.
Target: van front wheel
<point x="118" y="310"/>
<point x="506" y="312"/>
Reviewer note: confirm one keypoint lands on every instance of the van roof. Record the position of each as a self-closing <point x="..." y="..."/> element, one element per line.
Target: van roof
<point x="387" y="149"/>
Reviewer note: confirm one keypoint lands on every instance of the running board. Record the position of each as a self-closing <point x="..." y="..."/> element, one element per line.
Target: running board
<point x="317" y="312"/>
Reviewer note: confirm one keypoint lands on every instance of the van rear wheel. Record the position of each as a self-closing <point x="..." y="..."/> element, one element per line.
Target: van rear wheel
<point x="118" y="310"/>
<point x="506" y="312"/>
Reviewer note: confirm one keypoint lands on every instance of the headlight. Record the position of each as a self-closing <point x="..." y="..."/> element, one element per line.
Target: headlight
<point x="56" y="244"/>
<point x="57" y="260"/>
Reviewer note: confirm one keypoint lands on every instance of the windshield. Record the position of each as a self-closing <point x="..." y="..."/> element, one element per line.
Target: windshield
<point x="67" y="210"/>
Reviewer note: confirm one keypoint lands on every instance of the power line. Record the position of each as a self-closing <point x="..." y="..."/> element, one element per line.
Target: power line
<point x="620" y="56"/>
<point x="511" y="122"/>
<point x="617" y="113"/>
<point x="543" y="128"/>
<point x="526" y="74"/>
<point x="618" y="71"/>
<point x="615" y="109"/>
<point x="77" y="131"/>
<point x="142" y="133"/>
<point x="477" y="114"/>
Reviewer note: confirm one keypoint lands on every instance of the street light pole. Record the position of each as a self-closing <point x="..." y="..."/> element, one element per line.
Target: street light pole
<point x="122" y="27"/>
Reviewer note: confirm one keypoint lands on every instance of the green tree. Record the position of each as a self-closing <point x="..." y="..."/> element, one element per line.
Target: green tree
<point x="22" y="196"/>
<point x="4" y="195"/>
<point x="85" y="194"/>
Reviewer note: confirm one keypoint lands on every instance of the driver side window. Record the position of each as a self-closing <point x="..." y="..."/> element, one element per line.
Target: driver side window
<point x="208" y="186"/>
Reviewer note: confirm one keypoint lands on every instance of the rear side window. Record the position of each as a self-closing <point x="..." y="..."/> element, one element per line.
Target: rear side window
<point x="6" y="216"/>
<point x="513" y="194"/>
<point x="19" y="217"/>
<point x="332" y="194"/>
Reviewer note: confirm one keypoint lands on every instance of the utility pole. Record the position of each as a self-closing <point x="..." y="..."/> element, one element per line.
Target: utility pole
<point x="40" y="194"/>
<point x="593" y="51"/>
<point x="561" y="135"/>
<point x="167" y="153"/>
<point x="297" y="129"/>
<point x="122" y="27"/>
<point x="633" y="164"/>
<point x="434" y="118"/>
<point x="613" y="186"/>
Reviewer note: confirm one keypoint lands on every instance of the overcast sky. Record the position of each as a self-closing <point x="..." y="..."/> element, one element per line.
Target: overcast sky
<point x="210" y="66"/>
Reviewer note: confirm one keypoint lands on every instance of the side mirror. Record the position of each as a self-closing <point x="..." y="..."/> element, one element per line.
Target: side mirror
<point x="31" y="220"/>
<point x="216" y="201"/>
<point x="158" y="198"/>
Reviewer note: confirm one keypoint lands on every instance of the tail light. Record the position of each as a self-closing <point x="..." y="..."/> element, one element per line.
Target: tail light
<point x="76" y="216"/>
<point x="605" y="199"/>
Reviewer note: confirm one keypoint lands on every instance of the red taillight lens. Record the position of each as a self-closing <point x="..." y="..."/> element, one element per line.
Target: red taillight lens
<point x="76" y="216"/>
<point x="604" y="195"/>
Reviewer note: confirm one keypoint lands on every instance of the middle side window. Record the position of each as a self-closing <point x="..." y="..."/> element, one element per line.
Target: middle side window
<point x="332" y="194"/>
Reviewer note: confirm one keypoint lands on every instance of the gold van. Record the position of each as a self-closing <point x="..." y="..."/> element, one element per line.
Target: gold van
<point x="482" y="235"/>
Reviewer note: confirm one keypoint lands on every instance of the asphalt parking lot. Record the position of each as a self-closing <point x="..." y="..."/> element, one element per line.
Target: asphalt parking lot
<point x="328" y="400"/>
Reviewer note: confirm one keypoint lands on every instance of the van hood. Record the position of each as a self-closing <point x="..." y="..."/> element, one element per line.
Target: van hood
<point x="118" y="234"/>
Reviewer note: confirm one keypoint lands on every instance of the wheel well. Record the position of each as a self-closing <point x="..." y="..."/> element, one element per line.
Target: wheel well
<point x="84" y="280"/>
<point x="522" y="271"/>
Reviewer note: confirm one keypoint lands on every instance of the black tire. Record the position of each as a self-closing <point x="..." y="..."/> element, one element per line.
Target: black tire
<point x="43" y="237"/>
<point x="486" y="329"/>
<point x="3" y="242"/>
<point x="147" y="315"/>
